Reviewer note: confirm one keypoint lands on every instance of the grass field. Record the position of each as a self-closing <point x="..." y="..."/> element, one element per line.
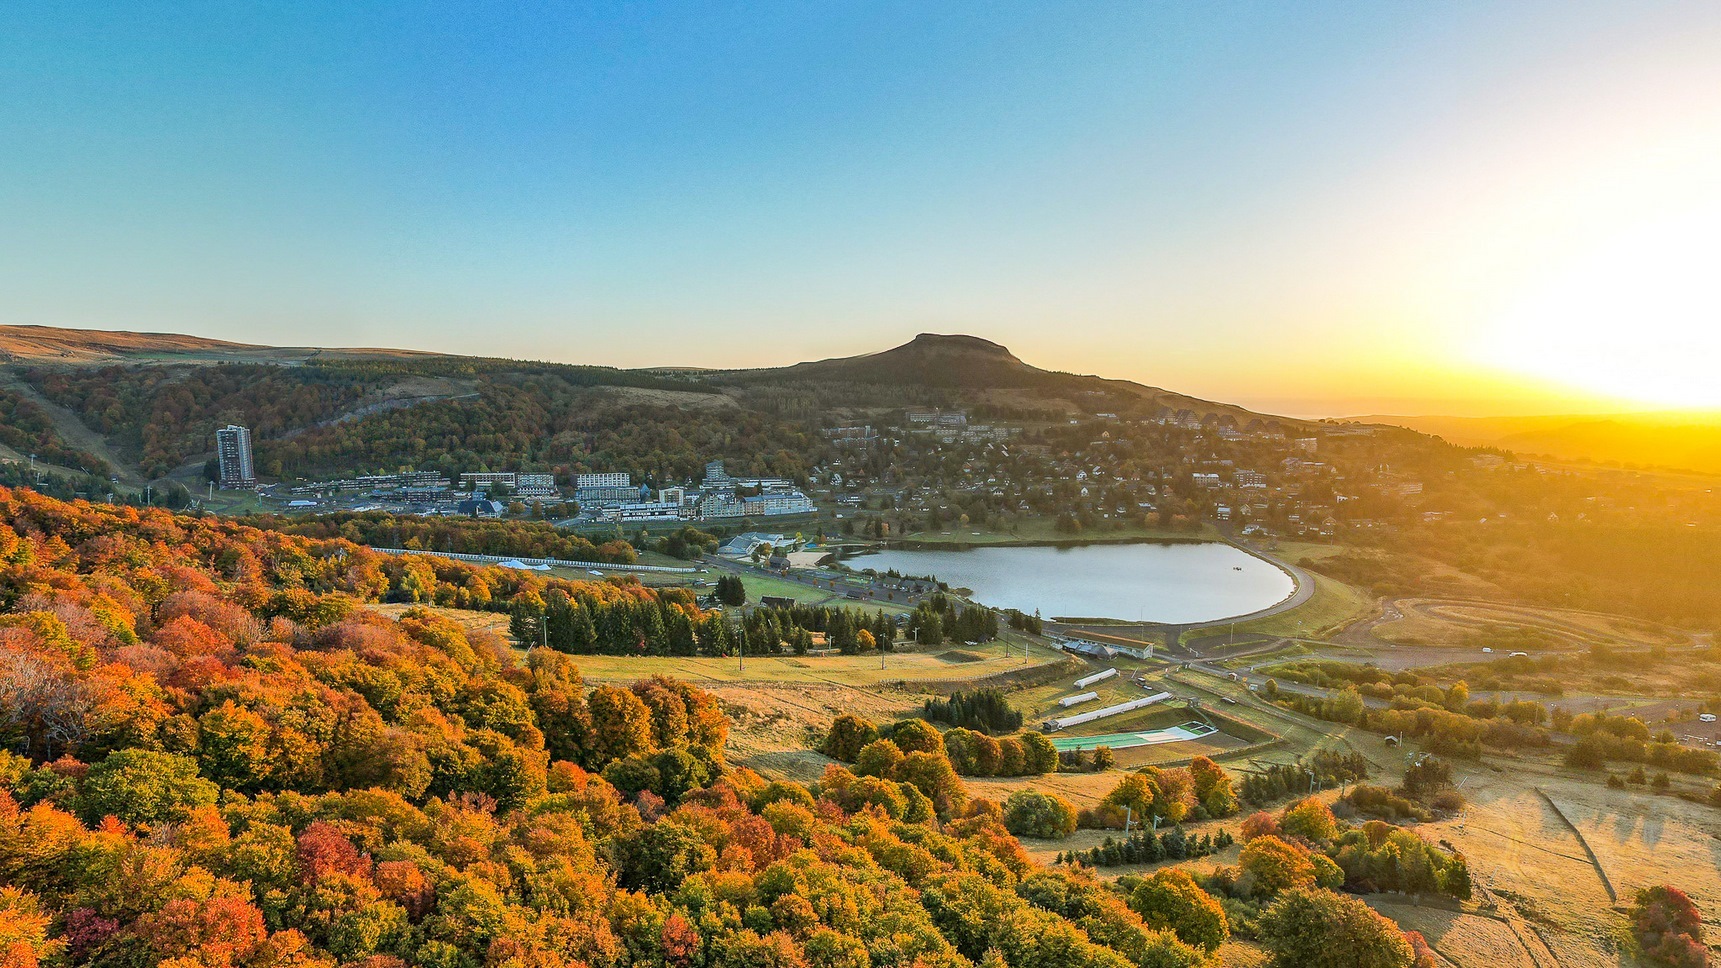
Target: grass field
<point x="934" y="665"/>
<point x="760" y="584"/>
<point x="1011" y="652"/>
<point x="1523" y="853"/>
<point x="234" y="502"/>
<point x="1333" y="605"/>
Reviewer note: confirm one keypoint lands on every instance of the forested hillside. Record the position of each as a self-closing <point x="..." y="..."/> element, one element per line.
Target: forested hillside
<point x="165" y="416"/>
<point x="27" y="429"/>
<point x="343" y="418"/>
<point x="219" y="757"/>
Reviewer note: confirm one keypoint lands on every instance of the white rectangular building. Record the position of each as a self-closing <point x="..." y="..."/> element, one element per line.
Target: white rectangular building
<point x="537" y="485"/>
<point x="603" y="480"/>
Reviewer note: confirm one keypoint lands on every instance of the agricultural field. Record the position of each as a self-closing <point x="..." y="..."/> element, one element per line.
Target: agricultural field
<point x="1558" y="849"/>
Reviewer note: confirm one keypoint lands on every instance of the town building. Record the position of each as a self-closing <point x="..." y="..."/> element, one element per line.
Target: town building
<point x="776" y="502"/>
<point x="485" y="480"/>
<point x="719" y="504"/>
<point x="742" y="545"/>
<point x="603" y="480"/>
<point x="605" y="490"/>
<point x="537" y="485"/>
<point x="233" y="453"/>
<point x="646" y="511"/>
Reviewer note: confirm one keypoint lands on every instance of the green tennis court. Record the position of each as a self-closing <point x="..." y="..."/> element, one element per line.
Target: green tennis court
<point x="1124" y="741"/>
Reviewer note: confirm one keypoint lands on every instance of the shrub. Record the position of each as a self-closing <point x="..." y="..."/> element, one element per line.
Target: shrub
<point x="1374" y="801"/>
<point x="1171" y="900"/>
<point x="1029" y="813"/>
<point x="1310" y="820"/>
<point x="1259" y="824"/>
<point x="848" y="735"/>
<point x="1320" y="929"/>
<point x="1269" y="865"/>
<point x="930" y="773"/>
<point x="143" y="786"/>
<point x="1667" y="930"/>
<point x="1038" y="754"/>
<point x="987" y="710"/>
<point x="879" y="758"/>
<point x="1213" y="790"/>
<point x="1146" y="847"/>
<point x="917" y="736"/>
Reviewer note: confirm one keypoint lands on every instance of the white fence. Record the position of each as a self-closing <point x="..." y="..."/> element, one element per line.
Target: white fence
<point x="552" y="562"/>
<point x="1089" y="717"/>
<point x="1096" y="677"/>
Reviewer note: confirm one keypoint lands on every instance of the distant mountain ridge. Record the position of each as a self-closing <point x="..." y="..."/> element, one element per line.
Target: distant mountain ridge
<point x="930" y="359"/>
<point x="1677" y="441"/>
<point x="933" y="360"/>
<point x="82" y="347"/>
<point x="152" y="400"/>
<point x="960" y="362"/>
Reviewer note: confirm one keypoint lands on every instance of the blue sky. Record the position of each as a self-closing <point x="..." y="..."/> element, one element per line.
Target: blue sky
<point x="1315" y="207"/>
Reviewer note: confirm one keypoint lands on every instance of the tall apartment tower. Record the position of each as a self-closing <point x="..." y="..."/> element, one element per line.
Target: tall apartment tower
<point x="233" y="448"/>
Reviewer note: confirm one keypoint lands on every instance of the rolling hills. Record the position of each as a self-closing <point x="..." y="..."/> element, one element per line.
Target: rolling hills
<point x="150" y="402"/>
<point x="86" y="347"/>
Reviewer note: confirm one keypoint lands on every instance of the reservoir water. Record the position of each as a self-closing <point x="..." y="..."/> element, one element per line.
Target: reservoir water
<point x="1155" y="582"/>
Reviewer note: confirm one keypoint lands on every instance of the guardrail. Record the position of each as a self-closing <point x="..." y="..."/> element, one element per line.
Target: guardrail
<point x="552" y="562"/>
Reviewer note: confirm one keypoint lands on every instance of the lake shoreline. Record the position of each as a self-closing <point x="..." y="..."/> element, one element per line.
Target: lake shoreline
<point x="922" y="544"/>
<point x="1096" y="594"/>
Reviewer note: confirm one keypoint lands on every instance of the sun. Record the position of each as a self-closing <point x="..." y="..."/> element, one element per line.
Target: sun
<point x="1636" y="317"/>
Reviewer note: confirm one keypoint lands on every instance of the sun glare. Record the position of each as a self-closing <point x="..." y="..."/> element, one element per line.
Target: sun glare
<point x="1637" y="317"/>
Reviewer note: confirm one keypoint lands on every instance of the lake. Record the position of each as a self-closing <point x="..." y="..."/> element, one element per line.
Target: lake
<point x="1179" y="583"/>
